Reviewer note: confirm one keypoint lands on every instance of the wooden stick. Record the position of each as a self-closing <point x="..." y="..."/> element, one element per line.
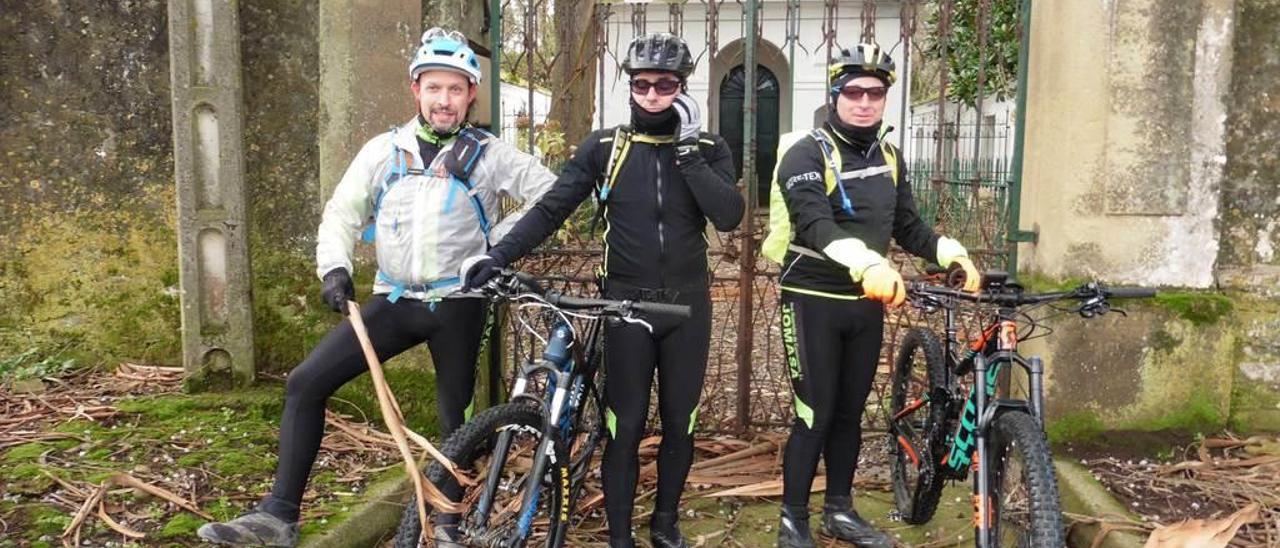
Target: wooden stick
<point x="126" y="480"/>
<point x="73" y="528"/>
<point x="102" y="515"/>
<point x="391" y="417"/>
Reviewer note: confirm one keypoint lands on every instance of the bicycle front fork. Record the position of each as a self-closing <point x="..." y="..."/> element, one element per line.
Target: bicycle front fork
<point x="984" y="506"/>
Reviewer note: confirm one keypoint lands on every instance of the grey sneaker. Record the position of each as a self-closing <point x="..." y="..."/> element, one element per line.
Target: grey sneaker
<point x="793" y="531"/>
<point x="253" y="529"/>
<point x="446" y="536"/>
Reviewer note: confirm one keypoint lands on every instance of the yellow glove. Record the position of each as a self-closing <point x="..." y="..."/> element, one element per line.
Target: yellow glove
<point x="882" y="283"/>
<point x="972" y="280"/>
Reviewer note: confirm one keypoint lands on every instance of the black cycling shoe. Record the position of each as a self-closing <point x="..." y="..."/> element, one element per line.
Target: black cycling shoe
<point x="663" y="531"/>
<point x="622" y="543"/>
<point x="840" y="521"/>
<point x="793" y="529"/>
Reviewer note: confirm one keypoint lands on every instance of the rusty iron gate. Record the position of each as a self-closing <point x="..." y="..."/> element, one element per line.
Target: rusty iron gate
<point x="962" y="83"/>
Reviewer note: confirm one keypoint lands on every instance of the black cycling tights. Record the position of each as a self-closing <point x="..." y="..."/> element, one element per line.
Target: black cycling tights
<point x="832" y="347"/>
<point x="453" y="331"/>
<point x="678" y="348"/>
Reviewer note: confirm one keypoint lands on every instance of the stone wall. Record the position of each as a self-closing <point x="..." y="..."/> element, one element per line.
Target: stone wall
<point x="1249" y="254"/>
<point x="1125" y="132"/>
<point x="1151" y="158"/>
<point x="88" y="264"/>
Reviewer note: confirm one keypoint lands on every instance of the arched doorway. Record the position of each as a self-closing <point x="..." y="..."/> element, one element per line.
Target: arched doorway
<point x="732" y="104"/>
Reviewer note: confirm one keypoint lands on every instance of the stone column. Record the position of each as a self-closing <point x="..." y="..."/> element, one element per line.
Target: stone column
<point x="365" y="49"/>
<point x="217" y="320"/>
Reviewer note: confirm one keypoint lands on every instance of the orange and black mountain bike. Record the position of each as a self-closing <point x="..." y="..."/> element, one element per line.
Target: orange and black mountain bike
<point x="945" y="424"/>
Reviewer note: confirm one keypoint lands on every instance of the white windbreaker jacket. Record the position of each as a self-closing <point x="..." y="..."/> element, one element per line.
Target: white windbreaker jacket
<point x="426" y="224"/>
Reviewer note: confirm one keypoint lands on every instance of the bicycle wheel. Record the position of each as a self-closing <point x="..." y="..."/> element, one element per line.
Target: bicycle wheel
<point x="472" y="448"/>
<point x="918" y="429"/>
<point x="1024" y="488"/>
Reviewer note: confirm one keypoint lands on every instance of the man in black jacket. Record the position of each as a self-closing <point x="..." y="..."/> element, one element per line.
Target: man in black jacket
<point x="840" y="193"/>
<point x="657" y="182"/>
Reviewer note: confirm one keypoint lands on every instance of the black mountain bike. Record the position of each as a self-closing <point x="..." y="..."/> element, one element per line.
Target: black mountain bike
<point x="942" y="429"/>
<point x="528" y="457"/>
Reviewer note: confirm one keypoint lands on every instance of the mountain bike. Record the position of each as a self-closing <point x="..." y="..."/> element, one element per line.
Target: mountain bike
<point x="529" y="457"/>
<point x="941" y="428"/>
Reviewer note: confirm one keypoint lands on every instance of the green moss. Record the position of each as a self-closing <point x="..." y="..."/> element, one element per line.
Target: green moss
<point x="27" y="479"/>
<point x="26" y="452"/>
<point x="49" y="521"/>
<point x="1198" y="414"/>
<point x="1076" y="426"/>
<point x="1198" y="308"/>
<point x="181" y="525"/>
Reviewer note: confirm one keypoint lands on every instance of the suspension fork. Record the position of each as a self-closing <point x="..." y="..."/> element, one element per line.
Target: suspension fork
<point x="982" y="491"/>
<point x="1036" y="367"/>
<point x="546" y="449"/>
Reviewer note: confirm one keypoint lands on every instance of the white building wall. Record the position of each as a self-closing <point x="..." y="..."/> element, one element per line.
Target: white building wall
<point x="515" y="103"/>
<point x="809" y="67"/>
<point x="997" y="131"/>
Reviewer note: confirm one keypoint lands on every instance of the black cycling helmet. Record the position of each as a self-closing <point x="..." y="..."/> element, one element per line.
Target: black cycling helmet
<point x="658" y="51"/>
<point x="865" y="59"/>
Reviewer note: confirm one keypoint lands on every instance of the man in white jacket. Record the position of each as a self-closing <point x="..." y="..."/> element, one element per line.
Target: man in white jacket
<point x="426" y="194"/>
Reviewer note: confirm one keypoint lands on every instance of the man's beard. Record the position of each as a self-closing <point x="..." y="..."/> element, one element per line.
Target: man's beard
<point x="458" y="120"/>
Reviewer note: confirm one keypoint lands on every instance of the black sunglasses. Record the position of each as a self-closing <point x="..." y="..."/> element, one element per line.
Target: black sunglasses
<point x="855" y="93"/>
<point x="663" y="87"/>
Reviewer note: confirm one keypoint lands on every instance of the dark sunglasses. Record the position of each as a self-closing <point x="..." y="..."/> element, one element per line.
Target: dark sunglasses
<point x="855" y="93"/>
<point x="663" y="87"/>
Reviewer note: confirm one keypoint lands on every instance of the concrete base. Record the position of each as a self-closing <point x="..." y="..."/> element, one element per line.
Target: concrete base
<point x="372" y="522"/>
<point x="1082" y="494"/>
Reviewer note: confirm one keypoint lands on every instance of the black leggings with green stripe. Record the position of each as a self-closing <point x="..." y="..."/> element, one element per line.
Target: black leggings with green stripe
<point x="832" y="347"/>
<point x="677" y="349"/>
<point x="452" y="329"/>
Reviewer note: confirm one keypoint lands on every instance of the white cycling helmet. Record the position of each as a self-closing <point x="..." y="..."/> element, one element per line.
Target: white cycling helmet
<point x="445" y="49"/>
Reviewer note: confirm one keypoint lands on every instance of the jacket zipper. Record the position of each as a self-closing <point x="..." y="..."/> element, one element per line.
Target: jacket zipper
<point x="662" y="241"/>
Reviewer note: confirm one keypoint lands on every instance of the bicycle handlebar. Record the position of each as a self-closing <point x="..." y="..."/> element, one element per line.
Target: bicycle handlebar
<point x="569" y="302"/>
<point x="1130" y="292"/>
<point x="1019" y="298"/>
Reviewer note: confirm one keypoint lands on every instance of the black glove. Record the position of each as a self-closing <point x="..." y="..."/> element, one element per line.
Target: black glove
<point x="338" y="290"/>
<point x="477" y="270"/>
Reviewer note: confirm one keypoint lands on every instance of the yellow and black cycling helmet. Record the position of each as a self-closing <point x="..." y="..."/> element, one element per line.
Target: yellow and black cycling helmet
<point x="865" y="59"/>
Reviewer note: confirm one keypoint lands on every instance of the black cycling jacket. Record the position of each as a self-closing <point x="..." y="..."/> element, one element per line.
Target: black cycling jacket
<point x="655" y="215"/>
<point x="881" y="210"/>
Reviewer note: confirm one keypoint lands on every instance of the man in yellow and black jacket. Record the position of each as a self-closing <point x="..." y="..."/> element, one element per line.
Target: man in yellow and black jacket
<point x="840" y="193"/>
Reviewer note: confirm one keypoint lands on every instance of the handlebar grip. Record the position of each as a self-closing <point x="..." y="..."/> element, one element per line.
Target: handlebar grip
<point x="573" y="303"/>
<point x="529" y="281"/>
<point x="677" y="310"/>
<point x="1130" y="292"/>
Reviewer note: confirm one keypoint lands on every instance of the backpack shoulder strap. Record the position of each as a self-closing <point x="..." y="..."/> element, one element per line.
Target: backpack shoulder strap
<point x="831" y="175"/>
<point x="621" y="145"/>
<point x="890" y="159"/>
<point x="398" y="165"/>
<point x="468" y="148"/>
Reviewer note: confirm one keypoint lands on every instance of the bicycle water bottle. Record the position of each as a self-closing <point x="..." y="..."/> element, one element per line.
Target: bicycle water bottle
<point x="557" y="350"/>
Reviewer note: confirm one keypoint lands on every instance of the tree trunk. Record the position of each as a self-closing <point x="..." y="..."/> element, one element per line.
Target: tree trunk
<point x="574" y="69"/>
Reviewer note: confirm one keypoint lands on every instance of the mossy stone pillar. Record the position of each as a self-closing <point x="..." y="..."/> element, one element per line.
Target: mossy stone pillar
<point x="207" y="97"/>
<point x="365" y="49"/>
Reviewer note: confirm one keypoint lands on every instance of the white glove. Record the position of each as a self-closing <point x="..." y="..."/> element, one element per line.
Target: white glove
<point x="690" y="117"/>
